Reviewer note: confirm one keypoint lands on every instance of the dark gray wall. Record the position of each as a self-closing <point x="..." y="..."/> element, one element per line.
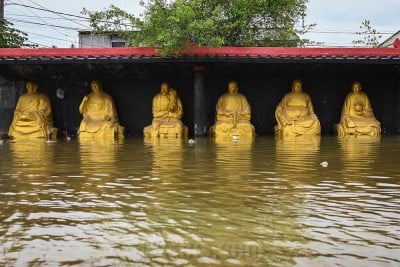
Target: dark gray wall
<point x="133" y="86"/>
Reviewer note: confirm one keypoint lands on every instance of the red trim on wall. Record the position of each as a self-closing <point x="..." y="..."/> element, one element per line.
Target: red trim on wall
<point x="199" y="51"/>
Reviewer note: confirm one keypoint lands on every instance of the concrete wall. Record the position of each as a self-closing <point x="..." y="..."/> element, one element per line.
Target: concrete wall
<point x="10" y="90"/>
<point x="93" y="41"/>
<point x="133" y="86"/>
<point x="89" y="40"/>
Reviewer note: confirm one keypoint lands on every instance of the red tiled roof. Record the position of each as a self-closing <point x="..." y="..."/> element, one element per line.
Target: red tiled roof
<point x="264" y="53"/>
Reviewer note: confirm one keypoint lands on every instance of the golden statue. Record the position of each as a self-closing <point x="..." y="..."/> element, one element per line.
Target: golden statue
<point x="233" y="114"/>
<point x="295" y="114"/>
<point x="167" y="114"/>
<point x="32" y="116"/>
<point x="357" y="115"/>
<point x="100" y="119"/>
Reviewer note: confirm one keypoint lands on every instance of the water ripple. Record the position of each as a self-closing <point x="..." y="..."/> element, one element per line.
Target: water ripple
<point x="261" y="203"/>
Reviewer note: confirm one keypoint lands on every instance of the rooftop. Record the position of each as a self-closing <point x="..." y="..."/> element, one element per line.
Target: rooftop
<point x="199" y="54"/>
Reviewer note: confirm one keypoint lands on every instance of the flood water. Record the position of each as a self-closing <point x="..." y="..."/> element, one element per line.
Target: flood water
<point x="225" y="203"/>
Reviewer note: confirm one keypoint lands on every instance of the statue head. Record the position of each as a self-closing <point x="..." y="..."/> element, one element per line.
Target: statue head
<point x="31" y="87"/>
<point x="164" y="88"/>
<point x="356" y="86"/>
<point x="297" y="86"/>
<point x="96" y="86"/>
<point x="233" y="87"/>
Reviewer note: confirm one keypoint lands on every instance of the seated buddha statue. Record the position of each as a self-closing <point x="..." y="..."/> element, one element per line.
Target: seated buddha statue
<point x="233" y="113"/>
<point x="167" y="112"/>
<point x="295" y="114"/>
<point x="357" y="115"/>
<point x="32" y="116"/>
<point x="100" y="119"/>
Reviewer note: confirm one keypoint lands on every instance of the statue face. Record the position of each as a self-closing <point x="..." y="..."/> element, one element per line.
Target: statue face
<point x="164" y="88"/>
<point x="233" y="88"/>
<point x="296" y="86"/>
<point x="356" y="87"/>
<point x="31" y="87"/>
<point x="95" y="86"/>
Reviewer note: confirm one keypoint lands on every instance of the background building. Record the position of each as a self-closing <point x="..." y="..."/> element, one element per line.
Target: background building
<point x="87" y="39"/>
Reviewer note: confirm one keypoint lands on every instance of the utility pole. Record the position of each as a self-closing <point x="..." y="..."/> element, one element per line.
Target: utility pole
<point x="2" y="12"/>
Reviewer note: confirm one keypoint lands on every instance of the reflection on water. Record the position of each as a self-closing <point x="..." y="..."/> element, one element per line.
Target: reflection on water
<point x="233" y="158"/>
<point x="32" y="157"/>
<point x="98" y="158"/>
<point x="296" y="157"/>
<point x="359" y="155"/>
<point x="167" y="157"/>
<point x="163" y="202"/>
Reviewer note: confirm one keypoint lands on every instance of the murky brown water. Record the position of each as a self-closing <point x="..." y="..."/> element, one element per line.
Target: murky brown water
<point x="266" y="203"/>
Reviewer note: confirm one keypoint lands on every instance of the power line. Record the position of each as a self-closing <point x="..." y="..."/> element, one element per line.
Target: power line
<point x="45" y="24"/>
<point x="23" y="15"/>
<point x="49" y="37"/>
<point x="48" y="10"/>
<point x="345" y="32"/>
<point x="41" y="19"/>
<point x="60" y="15"/>
<point x="34" y="43"/>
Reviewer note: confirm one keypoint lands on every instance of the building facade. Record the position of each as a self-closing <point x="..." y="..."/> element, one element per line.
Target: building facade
<point x="87" y="39"/>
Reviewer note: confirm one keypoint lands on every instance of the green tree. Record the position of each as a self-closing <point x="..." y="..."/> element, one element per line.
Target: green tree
<point x="11" y="37"/>
<point x="176" y="25"/>
<point x="369" y="36"/>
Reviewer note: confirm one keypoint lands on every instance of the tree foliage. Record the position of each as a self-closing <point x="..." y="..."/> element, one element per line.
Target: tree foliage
<point x="12" y="38"/>
<point x="369" y="36"/>
<point x="176" y="25"/>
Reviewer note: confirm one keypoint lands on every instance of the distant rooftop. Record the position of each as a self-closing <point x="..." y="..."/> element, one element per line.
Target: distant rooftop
<point x="201" y="54"/>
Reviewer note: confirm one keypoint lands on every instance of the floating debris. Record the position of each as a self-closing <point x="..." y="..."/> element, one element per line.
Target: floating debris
<point x="324" y="164"/>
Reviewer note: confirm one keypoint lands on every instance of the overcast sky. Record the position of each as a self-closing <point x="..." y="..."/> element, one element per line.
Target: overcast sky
<point x="337" y="20"/>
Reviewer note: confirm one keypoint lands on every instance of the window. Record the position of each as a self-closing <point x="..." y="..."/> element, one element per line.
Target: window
<point x="117" y="44"/>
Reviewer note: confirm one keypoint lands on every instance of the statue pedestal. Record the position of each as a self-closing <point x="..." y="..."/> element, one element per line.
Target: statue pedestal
<point x="165" y="131"/>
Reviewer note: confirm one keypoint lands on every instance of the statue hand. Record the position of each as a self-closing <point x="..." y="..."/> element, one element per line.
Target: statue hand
<point x="29" y="114"/>
<point x="84" y="100"/>
<point x="227" y="113"/>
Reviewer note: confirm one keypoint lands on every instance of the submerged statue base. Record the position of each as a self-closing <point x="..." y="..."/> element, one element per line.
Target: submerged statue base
<point x="105" y="132"/>
<point x="165" y="131"/>
<point x="306" y="128"/>
<point x="39" y="134"/>
<point x="229" y="130"/>
<point x="359" y="128"/>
